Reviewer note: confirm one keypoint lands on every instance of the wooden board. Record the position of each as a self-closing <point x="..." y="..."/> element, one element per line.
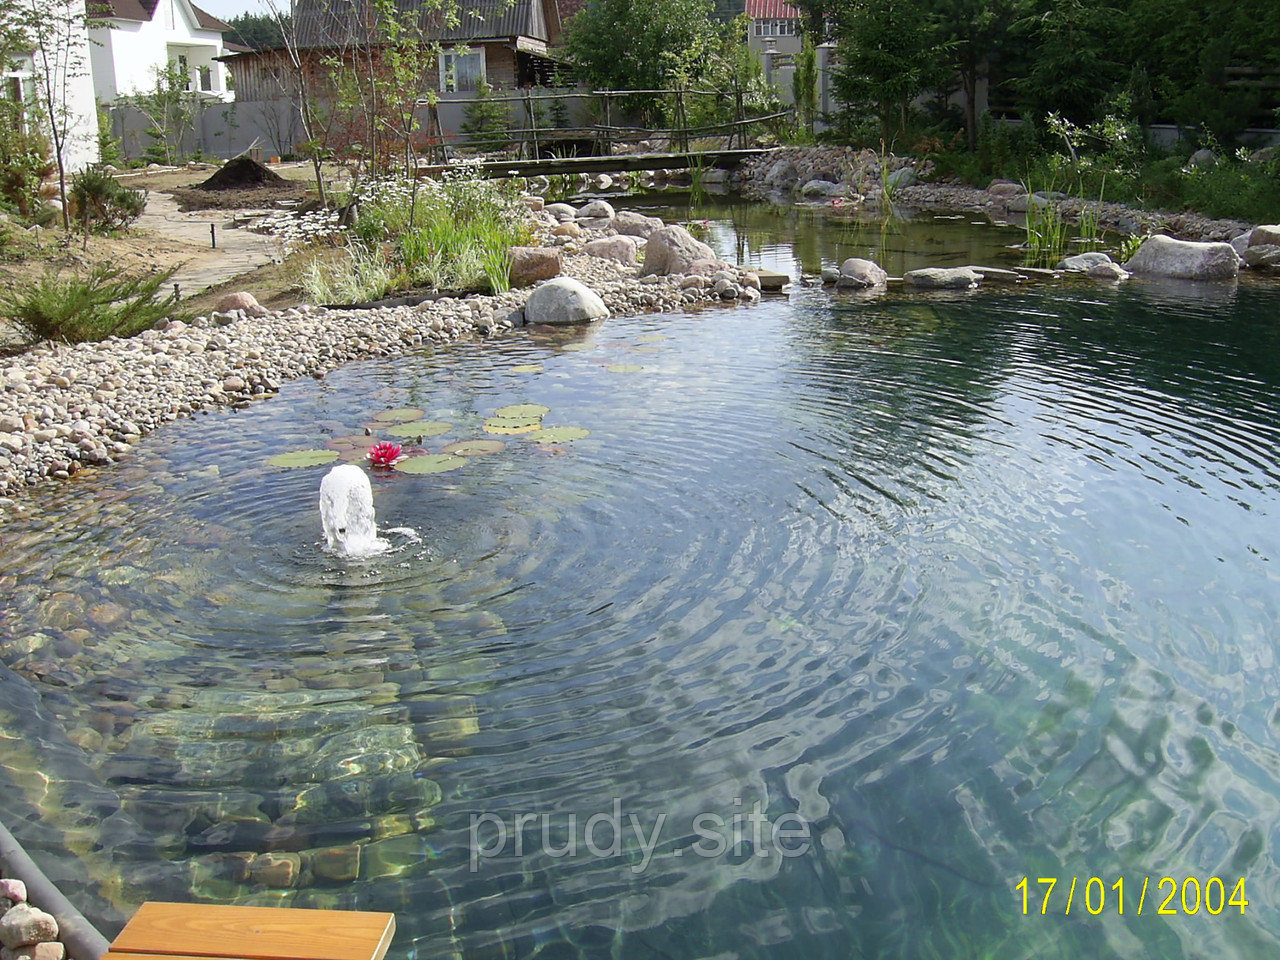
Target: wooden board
<point x="189" y="930"/>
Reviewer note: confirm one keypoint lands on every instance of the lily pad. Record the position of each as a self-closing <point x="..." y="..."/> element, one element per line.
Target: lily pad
<point x="353" y="442"/>
<point x="528" y="368"/>
<point x="399" y="415"/>
<point x="624" y="368"/>
<point x="575" y="347"/>
<point x="303" y="458"/>
<point x="474" y="448"/>
<point x="512" y="425"/>
<point x="651" y="338"/>
<point x="431" y="463"/>
<point x="560" y="434"/>
<point x="419" y="428"/>
<point x="522" y="411"/>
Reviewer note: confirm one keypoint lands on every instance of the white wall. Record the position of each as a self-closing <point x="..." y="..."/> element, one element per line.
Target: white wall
<point x="136" y="51"/>
<point x="71" y="76"/>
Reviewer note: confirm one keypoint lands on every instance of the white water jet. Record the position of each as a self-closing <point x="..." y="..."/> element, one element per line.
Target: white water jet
<point x="346" y="512"/>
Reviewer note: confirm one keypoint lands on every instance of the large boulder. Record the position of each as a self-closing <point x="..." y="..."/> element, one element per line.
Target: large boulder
<point x="531" y="264"/>
<point x="561" y="211"/>
<point x="596" y="209"/>
<point x="1083" y="262"/>
<point x="1265" y="255"/>
<point x="564" y="300"/>
<point x="635" y="224"/>
<point x="943" y="278"/>
<point x="1265" y="235"/>
<point x="619" y="248"/>
<point x="858" y="273"/>
<point x="902" y="177"/>
<point x="240" y="301"/>
<point x="821" y="188"/>
<point x="672" y="249"/>
<point x="23" y="924"/>
<point x="1005" y="188"/>
<point x="782" y="173"/>
<point x="1162" y="256"/>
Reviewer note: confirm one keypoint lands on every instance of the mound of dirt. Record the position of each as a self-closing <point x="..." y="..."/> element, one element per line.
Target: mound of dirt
<point x="243" y="173"/>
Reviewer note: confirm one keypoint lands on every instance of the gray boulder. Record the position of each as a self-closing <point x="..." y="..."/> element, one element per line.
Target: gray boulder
<point x="821" y="188"/>
<point x="620" y="248"/>
<point x="1241" y="243"/>
<point x="1024" y="202"/>
<point x="781" y="173"/>
<point x="1162" y="256"/>
<point x="23" y="924"/>
<point x="672" y="249"/>
<point x="1265" y="235"/>
<point x="1263" y="255"/>
<point x="943" y="278"/>
<point x="902" y="177"/>
<point x="859" y="274"/>
<point x="595" y="209"/>
<point x="531" y="264"/>
<point x="1108" y="271"/>
<point x="564" y="300"/>
<point x="561" y="211"/>
<point x="636" y="224"/>
<point x="1083" y="262"/>
<point x="1202" y="159"/>
<point x="1005" y="188"/>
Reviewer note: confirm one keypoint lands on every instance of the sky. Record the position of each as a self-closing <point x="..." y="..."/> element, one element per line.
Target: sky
<point x="226" y="9"/>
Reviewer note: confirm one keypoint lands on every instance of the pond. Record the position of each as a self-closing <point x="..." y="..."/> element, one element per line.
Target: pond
<point x="843" y="618"/>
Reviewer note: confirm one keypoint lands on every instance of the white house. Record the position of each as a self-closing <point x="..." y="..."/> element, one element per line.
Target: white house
<point x="139" y="38"/>
<point x="61" y="65"/>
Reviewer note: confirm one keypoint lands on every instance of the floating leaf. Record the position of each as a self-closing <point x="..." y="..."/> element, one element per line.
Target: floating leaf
<point x="431" y="463"/>
<point x="353" y="442"/>
<point x="474" y="448"/>
<point x="510" y="425"/>
<point x="574" y="347"/>
<point x="528" y="368"/>
<point x="624" y="368"/>
<point x="399" y="415"/>
<point x="303" y="458"/>
<point x="651" y="338"/>
<point x="522" y="411"/>
<point x="646" y="349"/>
<point x="559" y="434"/>
<point x="419" y="428"/>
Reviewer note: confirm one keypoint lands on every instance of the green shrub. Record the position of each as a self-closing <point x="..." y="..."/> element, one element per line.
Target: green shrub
<point x="25" y="160"/>
<point x="102" y="203"/>
<point x="79" y="308"/>
<point x="488" y="121"/>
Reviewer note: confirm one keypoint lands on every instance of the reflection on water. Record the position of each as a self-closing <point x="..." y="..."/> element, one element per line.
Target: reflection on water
<point x="974" y="589"/>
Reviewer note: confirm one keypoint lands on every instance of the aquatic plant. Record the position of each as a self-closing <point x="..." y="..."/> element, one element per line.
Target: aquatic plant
<point x="384" y="454"/>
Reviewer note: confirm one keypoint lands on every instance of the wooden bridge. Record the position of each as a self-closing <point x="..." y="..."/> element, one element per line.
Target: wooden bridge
<point x="589" y="148"/>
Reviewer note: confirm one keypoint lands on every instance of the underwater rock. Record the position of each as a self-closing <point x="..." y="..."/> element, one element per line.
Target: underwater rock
<point x="338" y="864"/>
<point x="277" y="870"/>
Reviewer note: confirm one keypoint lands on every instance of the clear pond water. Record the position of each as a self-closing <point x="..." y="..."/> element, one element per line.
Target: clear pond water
<point x="930" y="594"/>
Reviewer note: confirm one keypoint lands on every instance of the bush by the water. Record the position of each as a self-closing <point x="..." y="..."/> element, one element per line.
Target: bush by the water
<point x="82" y="307"/>
<point x="451" y="234"/>
<point x="102" y="203"/>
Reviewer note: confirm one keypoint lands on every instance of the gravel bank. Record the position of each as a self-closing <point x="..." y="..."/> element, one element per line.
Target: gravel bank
<point x="67" y="407"/>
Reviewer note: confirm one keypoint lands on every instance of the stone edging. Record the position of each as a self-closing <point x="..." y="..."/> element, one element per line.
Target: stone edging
<point x="28" y="933"/>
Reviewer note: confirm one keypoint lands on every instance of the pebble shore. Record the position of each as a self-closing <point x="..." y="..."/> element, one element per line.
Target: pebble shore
<point x="66" y="407"/>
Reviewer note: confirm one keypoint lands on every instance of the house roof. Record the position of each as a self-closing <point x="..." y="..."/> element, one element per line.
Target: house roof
<point x="333" y="22"/>
<point x="771" y="10"/>
<point x="145" y="10"/>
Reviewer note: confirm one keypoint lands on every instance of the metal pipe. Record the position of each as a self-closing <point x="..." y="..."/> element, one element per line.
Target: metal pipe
<point x="78" y="935"/>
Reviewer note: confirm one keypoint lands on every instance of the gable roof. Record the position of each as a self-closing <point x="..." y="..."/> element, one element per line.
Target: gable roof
<point x="771" y="10"/>
<point x="143" y="11"/>
<point x="322" y="23"/>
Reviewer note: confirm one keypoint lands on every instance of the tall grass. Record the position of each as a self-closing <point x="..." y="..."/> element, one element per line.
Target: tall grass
<point x="1046" y="231"/>
<point x="453" y="234"/>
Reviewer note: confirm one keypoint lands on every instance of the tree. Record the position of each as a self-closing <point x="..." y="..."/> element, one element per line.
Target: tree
<point x="804" y="84"/>
<point x="970" y="31"/>
<point x="1072" y="66"/>
<point x="55" y="32"/>
<point x="488" y="120"/>
<point x="643" y="44"/>
<point x="889" y="51"/>
<point x="260" y="31"/>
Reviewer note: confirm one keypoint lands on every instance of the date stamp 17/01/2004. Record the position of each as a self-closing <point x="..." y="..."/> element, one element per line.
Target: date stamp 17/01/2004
<point x="1162" y="896"/>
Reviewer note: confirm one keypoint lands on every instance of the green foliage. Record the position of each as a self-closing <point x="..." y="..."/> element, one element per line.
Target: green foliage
<point x="804" y="85"/>
<point x="170" y="108"/>
<point x="102" y="203"/>
<point x="455" y="235"/>
<point x="643" y="45"/>
<point x="108" y="145"/>
<point x="25" y="160"/>
<point x="260" y="31"/>
<point x="79" y="308"/>
<point x="488" y="121"/>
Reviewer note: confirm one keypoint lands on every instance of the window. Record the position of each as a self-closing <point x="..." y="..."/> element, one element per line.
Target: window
<point x="461" y="71"/>
<point x="775" y="28"/>
<point x="206" y="79"/>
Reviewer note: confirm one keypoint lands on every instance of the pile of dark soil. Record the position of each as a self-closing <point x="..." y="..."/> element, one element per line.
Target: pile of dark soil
<point x="243" y="173"/>
<point x="265" y="197"/>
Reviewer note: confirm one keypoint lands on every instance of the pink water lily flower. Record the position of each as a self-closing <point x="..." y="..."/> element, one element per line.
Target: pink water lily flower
<point x="384" y="454"/>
